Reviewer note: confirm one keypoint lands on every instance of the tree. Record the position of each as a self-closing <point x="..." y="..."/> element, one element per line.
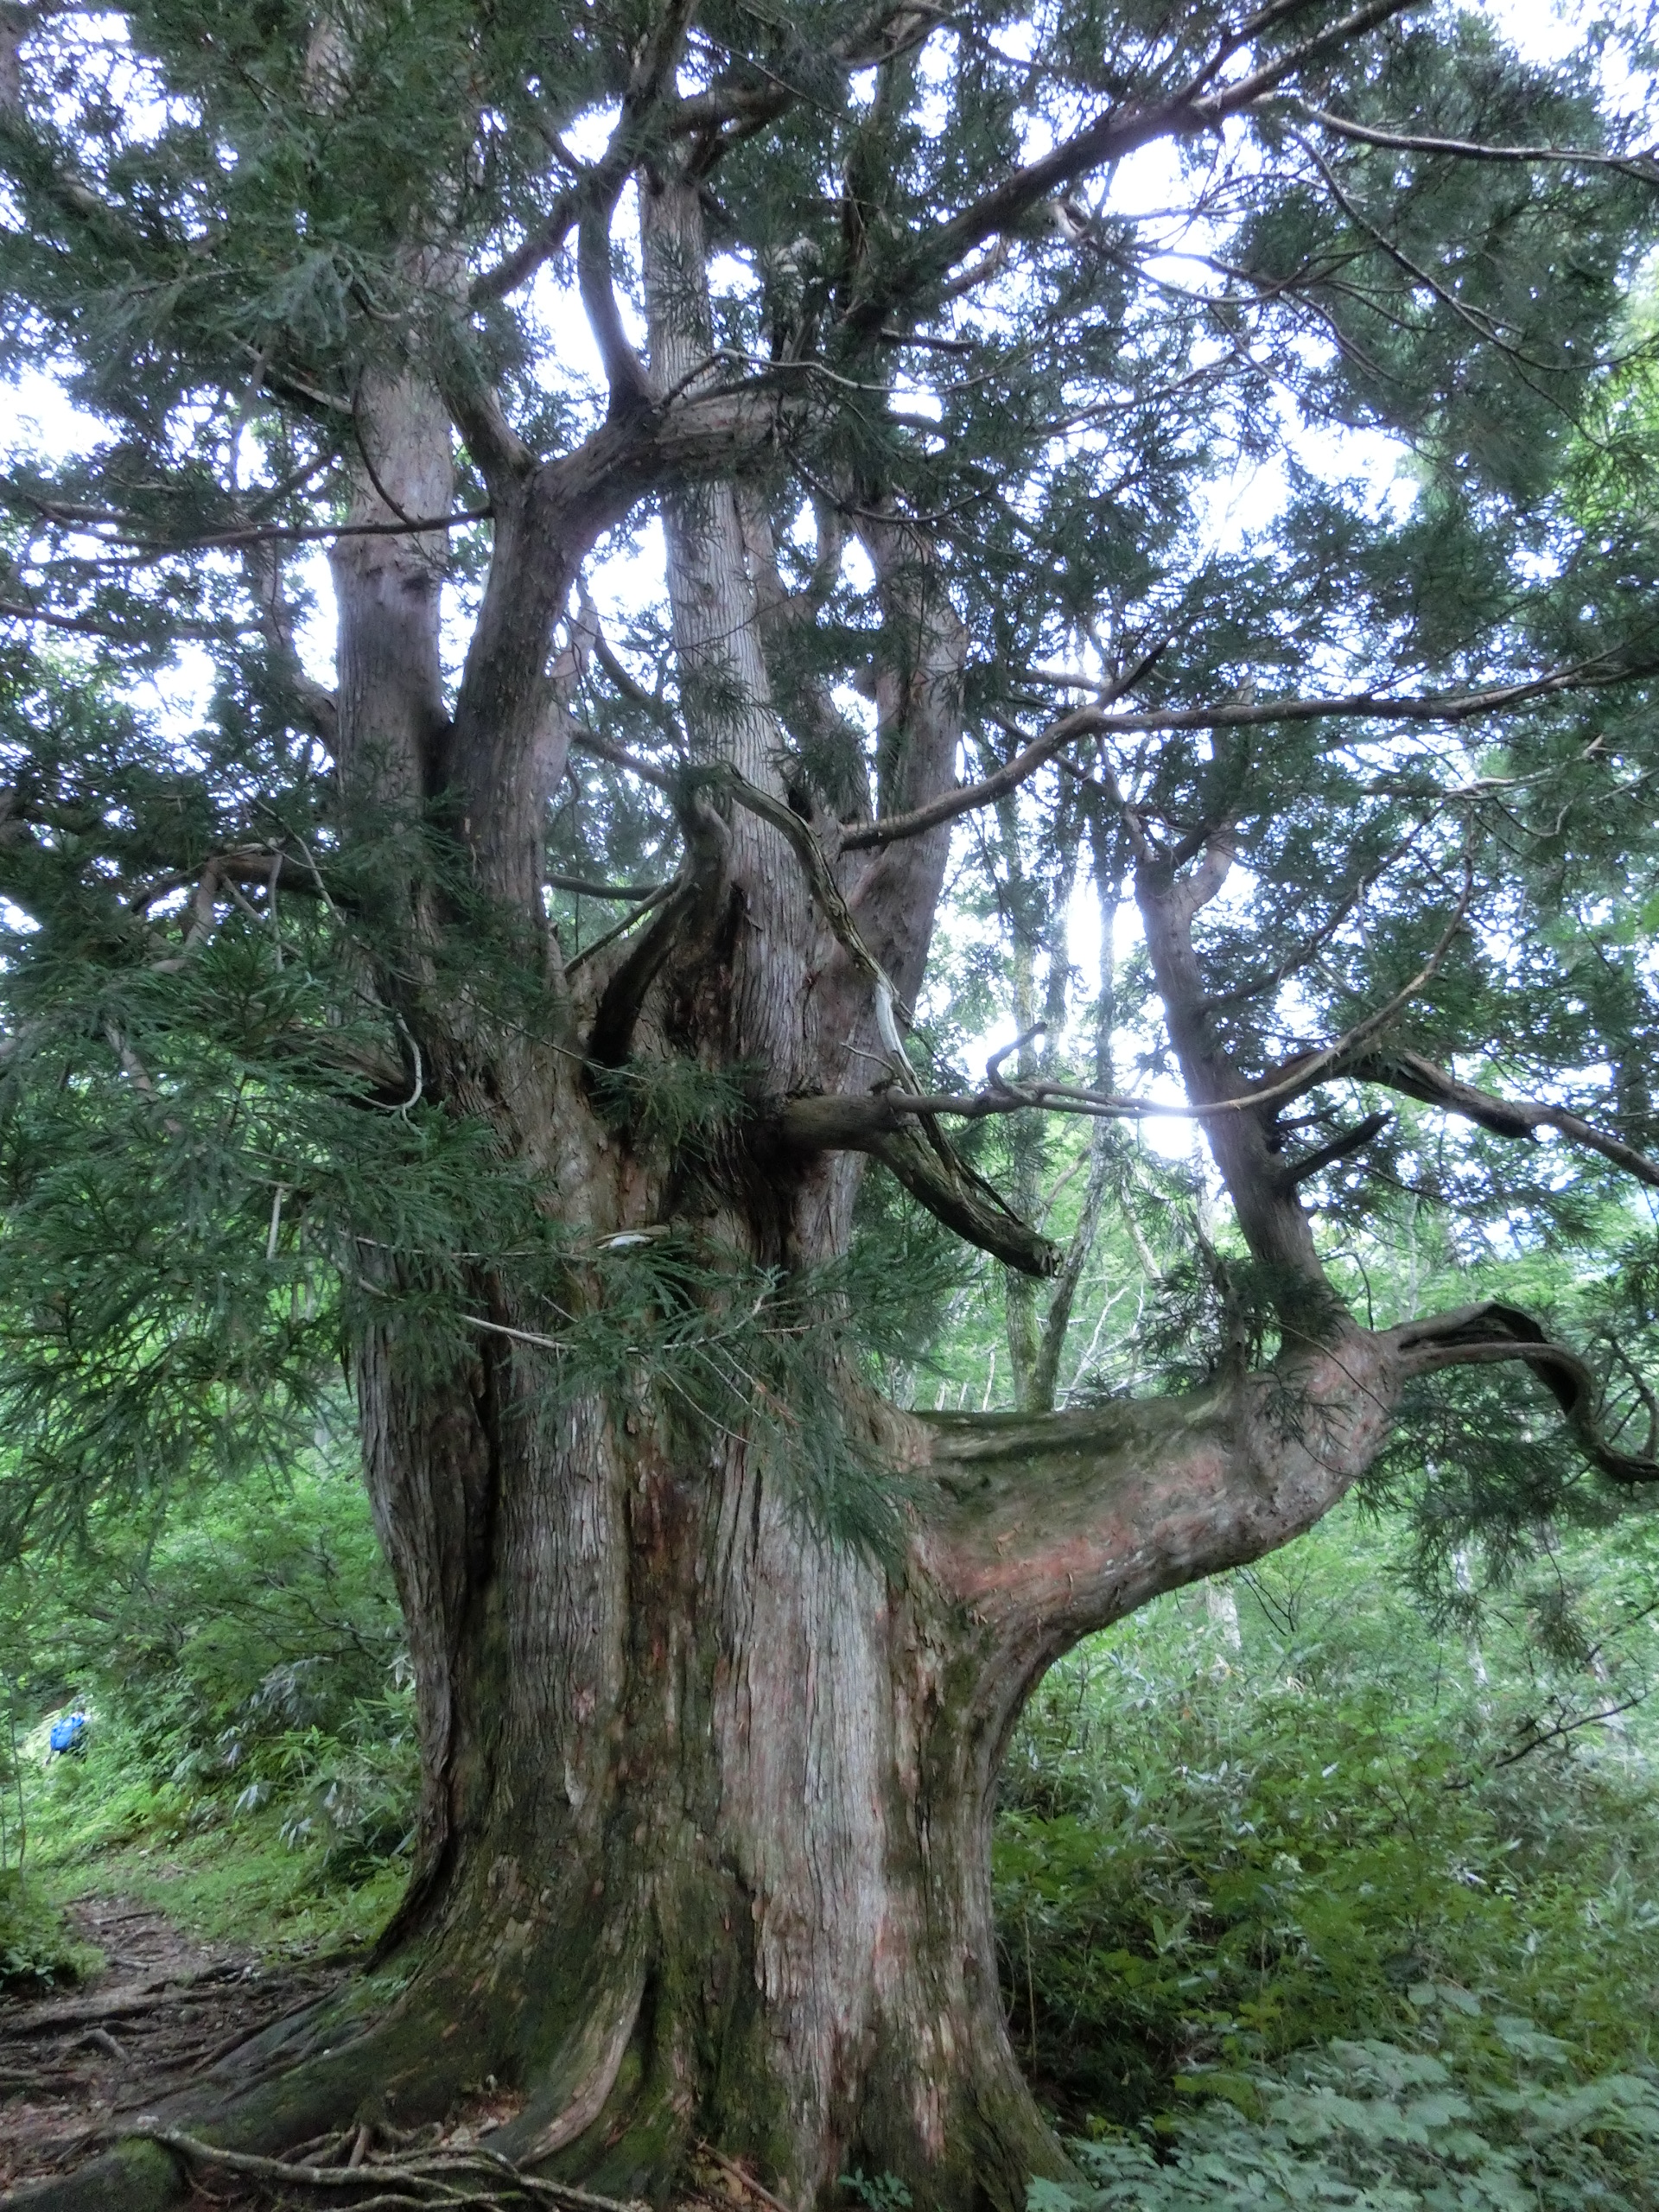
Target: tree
<point x="928" y="340"/>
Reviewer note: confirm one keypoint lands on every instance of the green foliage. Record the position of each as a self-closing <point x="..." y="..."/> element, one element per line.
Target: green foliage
<point x="1318" y="1886"/>
<point x="876" y="2192"/>
<point x="243" y="1667"/>
<point x="37" y="1950"/>
<point x="1493" y="2123"/>
<point x="1339" y="1912"/>
<point x="222" y="1155"/>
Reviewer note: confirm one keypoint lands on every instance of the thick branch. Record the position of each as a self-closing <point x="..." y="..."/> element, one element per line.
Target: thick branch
<point x="1506" y="1117"/>
<point x="1452" y="707"/>
<point x="654" y="65"/>
<point x="1476" y="1335"/>
<point x="315" y="701"/>
<point x="1272" y="1224"/>
<point x="1308" y="1164"/>
<point x="517" y="268"/>
<point x="1048" y="1527"/>
<point x="963" y="1201"/>
<point x="544" y="528"/>
<point x="1119" y="131"/>
<point x="918" y="688"/>
<point x="686" y="914"/>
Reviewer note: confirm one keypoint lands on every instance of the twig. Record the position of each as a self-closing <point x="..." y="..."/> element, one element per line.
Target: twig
<point x="519" y="1335"/>
<point x="740" y="2175"/>
<point x="655" y="897"/>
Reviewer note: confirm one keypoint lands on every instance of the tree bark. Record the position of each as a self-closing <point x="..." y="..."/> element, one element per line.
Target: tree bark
<point x="705" y="1850"/>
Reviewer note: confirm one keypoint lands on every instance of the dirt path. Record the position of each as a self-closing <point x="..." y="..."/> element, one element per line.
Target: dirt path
<point x="74" y="2069"/>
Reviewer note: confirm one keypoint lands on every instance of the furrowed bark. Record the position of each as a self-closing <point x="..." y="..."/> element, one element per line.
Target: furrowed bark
<point x="718" y="1790"/>
<point x="390" y="714"/>
<point x="725" y="694"/>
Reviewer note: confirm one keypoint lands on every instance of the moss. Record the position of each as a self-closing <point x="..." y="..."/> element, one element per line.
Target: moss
<point x="135" y="2177"/>
<point x="256" y="1890"/>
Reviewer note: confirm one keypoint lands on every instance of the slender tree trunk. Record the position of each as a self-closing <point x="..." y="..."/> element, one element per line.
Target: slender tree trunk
<point x="1105" y="1140"/>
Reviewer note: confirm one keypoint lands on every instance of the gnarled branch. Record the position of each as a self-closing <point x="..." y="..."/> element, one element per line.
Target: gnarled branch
<point x="1419" y="1078"/>
<point x="1476" y="1335"/>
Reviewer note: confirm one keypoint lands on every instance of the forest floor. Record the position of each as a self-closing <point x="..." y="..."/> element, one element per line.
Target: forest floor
<point x="78" y="2070"/>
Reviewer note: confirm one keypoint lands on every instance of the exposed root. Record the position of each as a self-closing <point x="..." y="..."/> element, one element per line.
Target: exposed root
<point x="476" y="2177"/>
<point x="127" y="2004"/>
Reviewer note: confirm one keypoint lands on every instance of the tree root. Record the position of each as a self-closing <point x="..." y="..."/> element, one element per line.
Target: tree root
<point x="473" y="2176"/>
<point x="126" y="2004"/>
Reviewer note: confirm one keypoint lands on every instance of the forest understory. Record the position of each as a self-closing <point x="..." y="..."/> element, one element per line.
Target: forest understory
<point x="81" y="2067"/>
<point x="1303" y="1898"/>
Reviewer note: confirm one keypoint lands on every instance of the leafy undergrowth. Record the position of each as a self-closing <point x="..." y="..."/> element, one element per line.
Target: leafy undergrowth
<point x="249" y="1764"/>
<point x="1498" y="2121"/>
<point x="1320" y="1910"/>
<point x="1308" y="1906"/>
<point x="38" y="1950"/>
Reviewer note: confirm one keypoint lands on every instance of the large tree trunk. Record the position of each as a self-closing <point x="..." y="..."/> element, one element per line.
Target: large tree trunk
<point x="707" y="1843"/>
<point x="717" y="1789"/>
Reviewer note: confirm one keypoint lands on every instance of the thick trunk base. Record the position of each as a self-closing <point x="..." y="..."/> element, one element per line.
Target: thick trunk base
<point x="708" y="1819"/>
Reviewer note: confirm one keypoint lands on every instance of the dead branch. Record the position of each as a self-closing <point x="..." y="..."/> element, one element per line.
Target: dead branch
<point x="1640" y="166"/>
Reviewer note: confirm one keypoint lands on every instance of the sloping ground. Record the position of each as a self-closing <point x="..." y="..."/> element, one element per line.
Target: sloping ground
<point x="77" y="2070"/>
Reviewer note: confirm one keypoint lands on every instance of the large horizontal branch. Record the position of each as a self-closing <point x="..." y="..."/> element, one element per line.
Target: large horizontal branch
<point x="1096" y="721"/>
<point x="852" y="1120"/>
<point x="256" y="864"/>
<point x="1045" y="1527"/>
<point x="89" y="625"/>
<point x="585" y="887"/>
<point x="138" y="546"/>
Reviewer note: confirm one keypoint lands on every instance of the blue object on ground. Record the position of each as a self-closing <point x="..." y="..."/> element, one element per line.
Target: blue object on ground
<point x="67" y="1733"/>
